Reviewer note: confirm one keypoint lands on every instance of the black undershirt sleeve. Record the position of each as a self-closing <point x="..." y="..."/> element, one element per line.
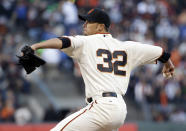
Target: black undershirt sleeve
<point x="66" y="42"/>
<point x="164" y="57"/>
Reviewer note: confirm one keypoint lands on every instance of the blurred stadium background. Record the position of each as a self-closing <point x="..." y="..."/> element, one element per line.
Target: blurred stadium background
<point x="38" y="101"/>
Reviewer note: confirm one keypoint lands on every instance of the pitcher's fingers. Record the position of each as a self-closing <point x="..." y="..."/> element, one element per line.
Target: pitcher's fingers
<point x="166" y="71"/>
<point x="171" y="69"/>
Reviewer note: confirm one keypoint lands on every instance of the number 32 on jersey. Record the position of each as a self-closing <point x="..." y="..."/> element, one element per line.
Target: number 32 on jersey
<point x="112" y="66"/>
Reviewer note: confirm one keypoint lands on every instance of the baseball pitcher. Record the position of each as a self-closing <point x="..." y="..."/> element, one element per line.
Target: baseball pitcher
<point x="106" y="64"/>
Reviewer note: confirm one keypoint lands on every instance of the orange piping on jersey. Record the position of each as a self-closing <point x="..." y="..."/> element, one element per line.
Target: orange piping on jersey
<point x="91" y="105"/>
<point x="73" y="119"/>
<point x="102" y="33"/>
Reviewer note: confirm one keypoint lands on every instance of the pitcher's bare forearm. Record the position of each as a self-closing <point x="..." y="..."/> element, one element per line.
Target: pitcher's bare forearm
<point x="169" y="64"/>
<point x="54" y="43"/>
<point x="168" y="69"/>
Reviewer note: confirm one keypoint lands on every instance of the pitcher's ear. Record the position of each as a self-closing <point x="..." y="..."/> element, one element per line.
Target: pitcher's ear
<point x="101" y="27"/>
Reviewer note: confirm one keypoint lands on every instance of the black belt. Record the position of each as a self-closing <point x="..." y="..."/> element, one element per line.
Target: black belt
<point x="104" y="94"/>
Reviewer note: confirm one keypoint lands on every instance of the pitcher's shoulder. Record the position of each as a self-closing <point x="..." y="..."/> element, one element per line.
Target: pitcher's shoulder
<point x="84" y="36"/>
<point x="130" y="42"/>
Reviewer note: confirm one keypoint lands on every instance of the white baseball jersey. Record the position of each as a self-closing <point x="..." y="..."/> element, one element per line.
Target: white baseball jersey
<point x="106" y="63"/>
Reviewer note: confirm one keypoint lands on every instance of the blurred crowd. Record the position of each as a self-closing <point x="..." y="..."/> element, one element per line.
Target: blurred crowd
<point x="155" y="22"/>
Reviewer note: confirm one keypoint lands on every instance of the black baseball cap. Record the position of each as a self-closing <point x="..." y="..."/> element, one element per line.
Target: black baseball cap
<point x="96" y="15"/>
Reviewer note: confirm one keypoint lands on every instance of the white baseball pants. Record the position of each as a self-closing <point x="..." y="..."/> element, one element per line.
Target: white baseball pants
<point x="103" y="114"/>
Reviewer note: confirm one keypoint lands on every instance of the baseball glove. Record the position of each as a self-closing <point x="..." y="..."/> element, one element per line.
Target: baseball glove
<point x="29" y="61"/>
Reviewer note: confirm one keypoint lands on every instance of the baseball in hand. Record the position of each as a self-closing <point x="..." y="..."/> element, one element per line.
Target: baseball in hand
<point x="167" y="75"/>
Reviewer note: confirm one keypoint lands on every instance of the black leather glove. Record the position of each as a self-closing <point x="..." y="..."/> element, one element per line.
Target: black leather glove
<point x="28" y="60"/>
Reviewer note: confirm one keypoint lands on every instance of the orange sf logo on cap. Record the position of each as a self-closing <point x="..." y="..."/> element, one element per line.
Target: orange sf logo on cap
<point x="91" y="11"/>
